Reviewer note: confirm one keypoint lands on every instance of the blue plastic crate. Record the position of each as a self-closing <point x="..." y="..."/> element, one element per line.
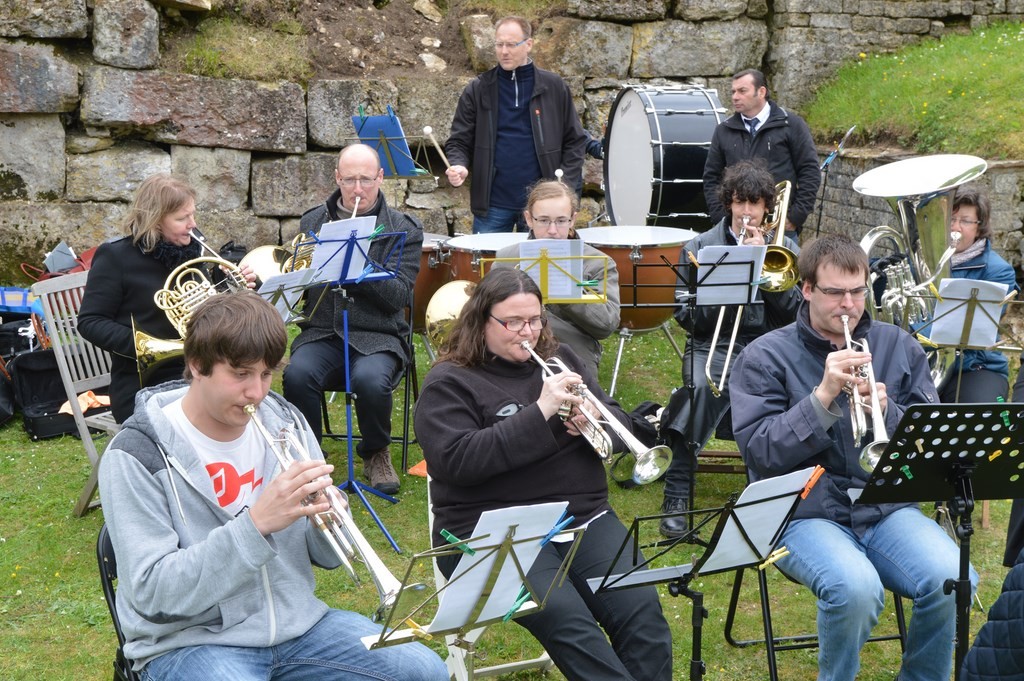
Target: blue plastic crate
<point x="16" y="300"/>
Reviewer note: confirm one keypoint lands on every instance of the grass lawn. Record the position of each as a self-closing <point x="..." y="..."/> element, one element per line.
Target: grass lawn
<point x="55" y="625"/>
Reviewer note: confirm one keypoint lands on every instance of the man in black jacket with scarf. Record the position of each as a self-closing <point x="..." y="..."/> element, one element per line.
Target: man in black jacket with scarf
<point x="761" y="128"/>
<point x="376" y="318"/>
<point x="513" y="125"/>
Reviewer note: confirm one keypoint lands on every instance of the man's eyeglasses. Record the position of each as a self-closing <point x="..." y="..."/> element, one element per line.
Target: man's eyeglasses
<point x="349" y="182"/>
<point x="509" y="46"/>
<point x="858" y="293"/>
<point x="545" y="222"/>
<point x="517" y="325"/>
<point x="964" y="221"/>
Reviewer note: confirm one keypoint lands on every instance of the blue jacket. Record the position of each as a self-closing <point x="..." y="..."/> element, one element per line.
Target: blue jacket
<point x="989" y="266"/>
<point x="777" y="425"/>
<point x="998" y="650"/>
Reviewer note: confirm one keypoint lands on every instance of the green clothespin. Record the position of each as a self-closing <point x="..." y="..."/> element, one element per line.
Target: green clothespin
<point x="524" y="595"/>
<point x="452" y="539"/>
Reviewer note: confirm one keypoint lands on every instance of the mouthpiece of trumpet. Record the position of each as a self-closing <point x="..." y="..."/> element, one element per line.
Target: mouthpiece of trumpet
<point x="427" y="130"/>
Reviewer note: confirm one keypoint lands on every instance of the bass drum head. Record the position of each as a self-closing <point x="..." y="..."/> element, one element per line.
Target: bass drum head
<point x="658" y="141"/>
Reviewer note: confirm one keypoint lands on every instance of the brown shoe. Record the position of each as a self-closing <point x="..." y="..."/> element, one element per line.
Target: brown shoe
<point x="378" y="470"/>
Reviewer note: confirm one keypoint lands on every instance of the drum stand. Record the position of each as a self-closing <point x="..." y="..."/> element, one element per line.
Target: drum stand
<point x="626" y="334"/>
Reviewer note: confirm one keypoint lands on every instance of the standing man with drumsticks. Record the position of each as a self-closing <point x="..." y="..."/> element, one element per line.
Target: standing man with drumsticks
<point x="691" y="417"/>
<point x="213" y="534"/>
<point x="513" y="125"/>
<point x="761" y="128"/>
<point x="791" y="405"/>
<point x="377" y="327"/>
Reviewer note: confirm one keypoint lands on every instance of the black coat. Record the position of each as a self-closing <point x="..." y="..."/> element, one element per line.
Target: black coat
<point x="119" y="290"/>
<point x="784" y="141"/>
<point x="998" y="650"/>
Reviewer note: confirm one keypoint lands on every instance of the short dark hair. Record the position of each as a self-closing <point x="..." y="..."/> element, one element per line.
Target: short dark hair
<point x="837" y="250"/>
<point x="748" y="180"/>
<point x="969" y="195"/>
<point x="466" y="345"/>
<point x="239" y="328"/>
<point x="759" y="80"/>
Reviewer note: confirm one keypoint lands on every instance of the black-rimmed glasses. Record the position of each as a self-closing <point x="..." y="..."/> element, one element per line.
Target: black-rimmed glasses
<point x="858" y="293"/>
<point x="517" y="325"/>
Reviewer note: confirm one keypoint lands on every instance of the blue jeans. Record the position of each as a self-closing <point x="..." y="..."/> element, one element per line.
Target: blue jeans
<point x="905" y="552"/>
<point x="330" y="650"/>
<point x="497" y="220"/>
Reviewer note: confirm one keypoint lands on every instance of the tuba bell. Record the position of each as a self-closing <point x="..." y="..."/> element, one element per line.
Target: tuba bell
<point x="920" y="191"/>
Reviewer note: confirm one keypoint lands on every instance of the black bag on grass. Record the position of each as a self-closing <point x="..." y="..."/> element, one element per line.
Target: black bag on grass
<point x="39" y="392"/>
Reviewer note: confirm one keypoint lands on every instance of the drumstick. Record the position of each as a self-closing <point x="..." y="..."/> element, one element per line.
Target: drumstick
<point x="429" y="132"/>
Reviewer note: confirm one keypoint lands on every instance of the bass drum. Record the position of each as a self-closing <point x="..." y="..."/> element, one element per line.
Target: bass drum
<point x="658" y="141"/>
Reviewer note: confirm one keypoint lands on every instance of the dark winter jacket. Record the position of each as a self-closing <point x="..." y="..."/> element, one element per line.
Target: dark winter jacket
<point x="558" y="137"/>
<point x="784" y="141"/>
<point x="998" y="650"/>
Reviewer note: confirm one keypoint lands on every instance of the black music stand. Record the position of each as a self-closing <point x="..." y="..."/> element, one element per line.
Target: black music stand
<point x="835" y="153"/>
<point x="351" y="264"/>
<point x="746" y="533"/>
<point x="688" y="275"/>
<point x="957" y="453"/>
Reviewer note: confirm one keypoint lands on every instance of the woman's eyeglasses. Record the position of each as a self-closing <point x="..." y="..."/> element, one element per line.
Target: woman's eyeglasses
<point x="517" y="325"/>
<point x="544" y="223"/>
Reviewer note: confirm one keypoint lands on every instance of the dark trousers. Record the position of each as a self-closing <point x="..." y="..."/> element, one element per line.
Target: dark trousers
<point x="320" y="365"/>
<point x="1015" y="529"/>
<point x="685" y="420"/>
<point x="573" y="625"/>
<point x="975" y="386"/>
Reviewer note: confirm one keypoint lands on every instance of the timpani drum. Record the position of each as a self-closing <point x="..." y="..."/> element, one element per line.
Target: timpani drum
<point x="434" y="273"/>
<point x="657" y="143"/>
<point x="647" y="291"/>
<point x="466" y="251"/>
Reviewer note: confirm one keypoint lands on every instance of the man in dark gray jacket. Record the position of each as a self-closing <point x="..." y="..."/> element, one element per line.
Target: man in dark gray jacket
<point x="213" y="534"/>
<point x="513" y="125"/>
<point x="761" y="128"/>
<point x="377" y="329"/>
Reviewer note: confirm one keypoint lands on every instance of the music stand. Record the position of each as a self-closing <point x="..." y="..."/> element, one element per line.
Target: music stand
<point x="735" y="285"/>
<point x="746" y="533"/>
<point x="957" y="453"/>
<point x="833" y="155"/>
<point x="491" y="578"/>
<point x="340" y="258"/>
<point x="384" y="133"/>
<point x="556" y="265"/>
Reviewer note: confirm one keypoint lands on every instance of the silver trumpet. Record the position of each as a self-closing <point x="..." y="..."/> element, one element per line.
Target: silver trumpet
<point x="650" y="463"/>
<point x="336" y="524"/>
<point x="870" y="454"/>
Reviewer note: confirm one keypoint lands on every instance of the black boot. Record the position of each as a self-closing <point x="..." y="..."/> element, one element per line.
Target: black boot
<point x="676" y="526"/>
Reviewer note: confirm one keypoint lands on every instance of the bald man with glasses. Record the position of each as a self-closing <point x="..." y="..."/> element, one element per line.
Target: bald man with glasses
<point x="514" y="125"/>
<point x="377" y="327"/>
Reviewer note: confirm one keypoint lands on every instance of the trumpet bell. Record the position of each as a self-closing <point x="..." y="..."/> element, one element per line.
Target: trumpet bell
<point x="872" y="454"/>
<point x="642" y="468"/>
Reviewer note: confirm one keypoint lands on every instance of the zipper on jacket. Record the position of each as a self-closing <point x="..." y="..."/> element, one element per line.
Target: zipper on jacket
<point x="515" y="84"/>
<point x="271" y="617"/>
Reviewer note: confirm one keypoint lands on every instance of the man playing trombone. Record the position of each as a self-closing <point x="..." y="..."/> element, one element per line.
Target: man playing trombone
<point x="213" y="534"/>
<point x="796" y="393"/>
<point x="691" y="417"/>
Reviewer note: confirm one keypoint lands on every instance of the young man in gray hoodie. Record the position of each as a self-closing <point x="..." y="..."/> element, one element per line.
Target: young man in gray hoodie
<point x="213" y="539"/>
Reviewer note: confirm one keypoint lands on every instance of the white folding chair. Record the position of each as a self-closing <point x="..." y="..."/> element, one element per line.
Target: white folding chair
<point x="456" y="659"/>
<point x="83" y="366"/>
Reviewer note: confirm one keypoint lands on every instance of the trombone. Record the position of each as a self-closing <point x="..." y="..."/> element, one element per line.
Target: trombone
<point x="870" y="454"/>
<point x="778" y="269"/>
<point x="650" y="463"/>
<point x="337" y="525"/>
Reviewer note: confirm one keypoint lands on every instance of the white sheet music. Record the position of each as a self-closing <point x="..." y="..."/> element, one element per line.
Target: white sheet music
<point x="730" y="283"/>
<point x="284" y="291"/>
<point x="338" y="257"/>
<point x="566" y="254"/>
<point x="951" y="312"/>
<point x="457" y="602"/>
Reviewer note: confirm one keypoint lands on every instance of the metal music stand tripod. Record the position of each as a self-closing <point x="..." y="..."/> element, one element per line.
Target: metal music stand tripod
<point x="746" y="532"/>
<point x="354" y="266"/>
<point x="957" y="453"/>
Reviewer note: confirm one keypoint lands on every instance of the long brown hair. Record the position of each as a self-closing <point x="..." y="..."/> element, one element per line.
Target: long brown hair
<point x="466" y="345"/>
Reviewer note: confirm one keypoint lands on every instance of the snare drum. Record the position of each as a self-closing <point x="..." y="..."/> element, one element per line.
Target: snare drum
<point x="466" y="251"/>
<point x="646" y="292"/>
<point x="658" y="141"/>
<point x="434" y="273"/>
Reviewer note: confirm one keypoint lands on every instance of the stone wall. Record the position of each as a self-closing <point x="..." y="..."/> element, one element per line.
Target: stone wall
<point x="85" y="116"/>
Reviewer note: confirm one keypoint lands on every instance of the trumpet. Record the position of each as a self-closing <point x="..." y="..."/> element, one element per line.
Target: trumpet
<point x="650" y="463"/>
<point x="778" y="270"/>
<point x="871" y="453"/>
<point x="337" y="526"/>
